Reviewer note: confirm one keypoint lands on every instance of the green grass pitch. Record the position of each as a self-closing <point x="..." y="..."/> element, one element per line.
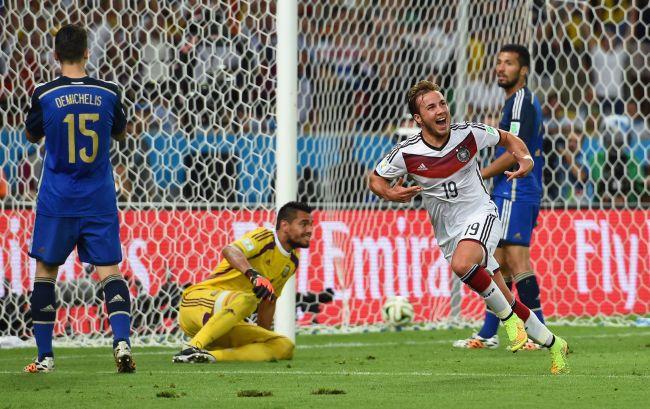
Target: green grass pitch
<point x="610" y="367"/>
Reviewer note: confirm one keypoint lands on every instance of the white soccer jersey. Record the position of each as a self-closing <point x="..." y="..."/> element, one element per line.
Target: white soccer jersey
<point x="452" y="186"/>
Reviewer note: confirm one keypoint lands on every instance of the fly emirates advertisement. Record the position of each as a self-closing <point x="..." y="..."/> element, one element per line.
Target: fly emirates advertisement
<point x="589" y="262"/>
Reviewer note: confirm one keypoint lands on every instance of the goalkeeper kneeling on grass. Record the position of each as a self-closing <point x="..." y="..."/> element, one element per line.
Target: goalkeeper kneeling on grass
<point x="251" y="276"/>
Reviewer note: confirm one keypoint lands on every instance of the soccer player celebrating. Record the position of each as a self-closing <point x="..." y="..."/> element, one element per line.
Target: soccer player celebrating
<point x="251" y="276"/>
<point x="517" y="199"/>
<point x="442" y="160"/>
<point x="76" y="203"/>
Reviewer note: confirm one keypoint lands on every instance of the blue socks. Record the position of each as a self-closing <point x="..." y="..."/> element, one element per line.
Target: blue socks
<point x="43" y="309"/>
<point x="118" y="307"/>
<point x="528" y="291"/>
<point x="490" y="325"/>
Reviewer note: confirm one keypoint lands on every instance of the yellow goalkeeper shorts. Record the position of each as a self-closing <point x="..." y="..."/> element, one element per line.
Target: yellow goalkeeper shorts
<point x="198" y="306"/>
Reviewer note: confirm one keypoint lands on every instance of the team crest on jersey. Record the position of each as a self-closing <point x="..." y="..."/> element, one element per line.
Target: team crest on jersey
<point x="285" y="272"/>
<point x="463" y="154"/>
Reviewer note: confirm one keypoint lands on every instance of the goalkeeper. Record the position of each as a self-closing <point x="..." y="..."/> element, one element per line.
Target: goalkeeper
<point x="251" y="276"/>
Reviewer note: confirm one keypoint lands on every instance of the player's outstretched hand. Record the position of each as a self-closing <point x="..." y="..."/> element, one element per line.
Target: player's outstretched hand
<point x="262" y="287"/>
<point x="403" y="194"/>
<point x="525" y="166"/>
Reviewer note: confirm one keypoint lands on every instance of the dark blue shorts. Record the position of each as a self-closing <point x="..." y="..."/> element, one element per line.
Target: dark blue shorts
<point x="518" y="220"/>
<point x="97" y="239"/>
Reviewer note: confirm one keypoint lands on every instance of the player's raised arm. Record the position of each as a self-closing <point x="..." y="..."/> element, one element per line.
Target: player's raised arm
<point x="498" y="166"/>
<point x="236" y="258"/>
<point x="395" y="193"/>
<point x="517" y="148"/>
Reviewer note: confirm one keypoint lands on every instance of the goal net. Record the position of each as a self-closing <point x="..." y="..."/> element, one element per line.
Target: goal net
<point x="198" y="169"/>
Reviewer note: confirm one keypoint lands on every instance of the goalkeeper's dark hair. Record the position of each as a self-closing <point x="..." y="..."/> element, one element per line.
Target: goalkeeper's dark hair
<point x="288" y="212"/>
<point x="416" y="91"/>
<point x="70" y="43"/>
<point x="523" y="56"/>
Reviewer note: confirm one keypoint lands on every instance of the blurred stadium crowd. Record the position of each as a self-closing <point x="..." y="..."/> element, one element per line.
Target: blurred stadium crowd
<point x="197" y="71"/>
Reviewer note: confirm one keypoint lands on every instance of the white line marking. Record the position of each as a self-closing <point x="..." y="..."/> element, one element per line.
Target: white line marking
<point x="61" y="355"/>
<point x="448" y="341"/>
<point x="220" y="371"/>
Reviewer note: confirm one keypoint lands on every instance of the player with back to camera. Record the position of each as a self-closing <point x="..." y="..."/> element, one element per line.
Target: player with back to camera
<point x="442" y="159"/>
<point x="253" y="273"/>
<point x="518" y="200"/>
<point x="76" y="203"/>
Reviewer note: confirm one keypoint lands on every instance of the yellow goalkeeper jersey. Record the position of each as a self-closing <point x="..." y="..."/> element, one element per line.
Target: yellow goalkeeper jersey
<point x="264" y="253"/>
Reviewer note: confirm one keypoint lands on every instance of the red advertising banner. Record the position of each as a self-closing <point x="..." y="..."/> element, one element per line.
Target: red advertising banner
<point x="590" y="262"/>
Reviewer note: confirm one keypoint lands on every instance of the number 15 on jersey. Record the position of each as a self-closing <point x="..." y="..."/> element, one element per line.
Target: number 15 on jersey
<point x="81" y="120"/>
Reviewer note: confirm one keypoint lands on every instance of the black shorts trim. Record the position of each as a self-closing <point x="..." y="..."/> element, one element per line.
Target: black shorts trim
<point x="487" y="228"/>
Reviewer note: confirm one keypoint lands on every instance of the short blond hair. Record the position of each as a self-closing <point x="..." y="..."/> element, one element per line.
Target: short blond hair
<point x="417" y="91"/>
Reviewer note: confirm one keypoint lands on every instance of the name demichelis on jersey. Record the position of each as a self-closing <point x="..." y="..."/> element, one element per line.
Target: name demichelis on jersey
<point x="78" y="98"/>
<point x="522" y="116"/>
<point x="78" y="116"/>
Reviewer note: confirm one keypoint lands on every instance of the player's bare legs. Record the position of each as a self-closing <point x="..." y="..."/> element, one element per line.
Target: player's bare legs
<point x="504" y="273"/>
<point x="518" y="258"/>
<point x="103" y="272"/>
<point x="43" y="309"/>
<point x="46" y="271"/>
<point x="118" y="307"/>
<point x="466" y="263"/>
<point x="500" y="257"/>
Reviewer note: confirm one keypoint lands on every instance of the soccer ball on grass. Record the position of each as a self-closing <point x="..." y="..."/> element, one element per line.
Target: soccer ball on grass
<point x="397" y="311"/>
